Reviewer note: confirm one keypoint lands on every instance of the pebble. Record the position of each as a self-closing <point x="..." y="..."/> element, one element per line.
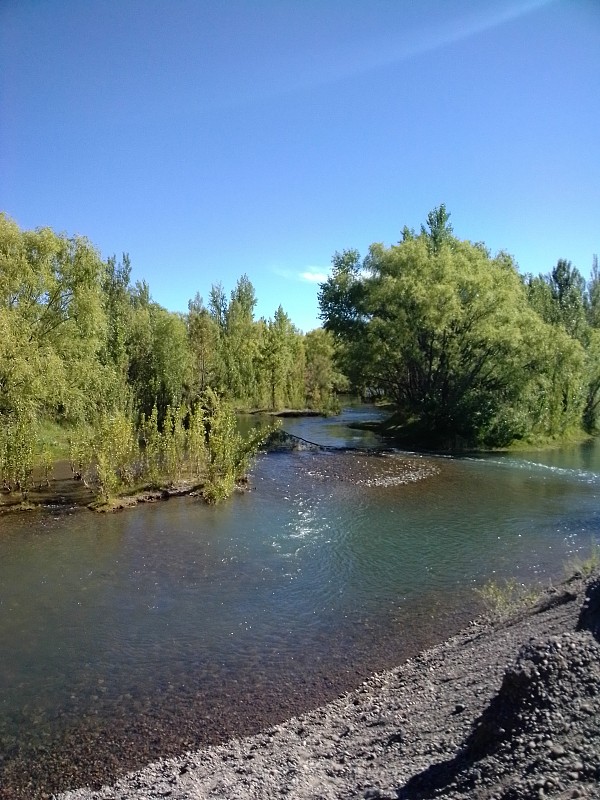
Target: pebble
<point x="557" y="750"/>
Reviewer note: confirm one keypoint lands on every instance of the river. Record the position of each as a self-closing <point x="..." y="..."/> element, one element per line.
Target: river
<point x="127" y="636"/>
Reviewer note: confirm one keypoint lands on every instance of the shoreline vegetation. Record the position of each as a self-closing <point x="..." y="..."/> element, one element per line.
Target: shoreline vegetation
<point x="147" y="396"/>
<point x="471" y="354"/>
<point x="77" y="482"/>
<point x="397" y="433"/>
<point x="56" y="483"/>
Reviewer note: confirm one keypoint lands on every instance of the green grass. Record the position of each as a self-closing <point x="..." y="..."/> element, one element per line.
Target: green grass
<point x="506" y="596"/>
<point x="502" y="597"/>
<point x="54" y="439"/>
<point x="584" y="566"/>
<point x="533" y="442"/>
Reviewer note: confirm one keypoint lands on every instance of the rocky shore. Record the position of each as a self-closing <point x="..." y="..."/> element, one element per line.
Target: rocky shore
<point x="509" y="709"/>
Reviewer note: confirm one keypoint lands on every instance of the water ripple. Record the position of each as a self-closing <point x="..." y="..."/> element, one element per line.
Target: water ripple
<point x="329" y="556"/>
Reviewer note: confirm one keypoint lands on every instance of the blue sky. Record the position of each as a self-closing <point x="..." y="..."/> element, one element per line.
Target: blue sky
<point x="212" y="138"/>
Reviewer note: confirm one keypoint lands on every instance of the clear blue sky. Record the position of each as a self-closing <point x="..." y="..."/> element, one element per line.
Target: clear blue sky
<point x="212" y="138"/>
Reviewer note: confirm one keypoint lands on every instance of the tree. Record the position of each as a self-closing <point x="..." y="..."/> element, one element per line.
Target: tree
<point x="217" y="305"/>
<point x="592" y="402"/>
<point x="203" y="337"/>
<point x="159" y="364"/>
<point x="593" y="295"/>
<point x="117" y="307"/>
<point x="341" y="296"/>
<point x="446" y="332"/>
<point x="279" y="355"/>
<point x="321" y="378"/>
<point x="439" y="231"/>
<point x="53" y="323"/>
<point x="560" y="298"/>
<point x="240" y="344"/>
<point x="568" y="291"/>
<point x="245" y="297"/>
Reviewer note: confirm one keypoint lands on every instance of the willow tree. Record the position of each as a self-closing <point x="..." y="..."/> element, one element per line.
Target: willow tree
<point x="447" y="333"/>
<point x="282" y="362"/>
<point x="159" y="358"/>
<point x="52" y="324"/>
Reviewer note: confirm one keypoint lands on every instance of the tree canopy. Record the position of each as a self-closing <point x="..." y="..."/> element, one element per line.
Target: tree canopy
<point x="467" y="350"/>
<point x="83" y="347"/>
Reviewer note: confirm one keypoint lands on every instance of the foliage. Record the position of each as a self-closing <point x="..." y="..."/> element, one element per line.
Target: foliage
<point x="51" y="323"/>
<point x="203" y="337"/>
<point x="468" y="352"/>
<point x="503" y="597"/>
<point x="278" y="357"/>
<point x="323" y="380"/>
<point x="81" y="454"/>
<point x="115" y="453"/>
<point x="17" y="443"/>
<point x="585" y="566"/>
<point x="158" y="358"/>
<point x="224" y="448"/>
<point x="439" y="333"/>
<point x="147" y="395"/>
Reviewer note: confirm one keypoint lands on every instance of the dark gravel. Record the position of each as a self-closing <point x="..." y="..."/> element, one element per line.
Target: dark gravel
<point x="507" y="709"/>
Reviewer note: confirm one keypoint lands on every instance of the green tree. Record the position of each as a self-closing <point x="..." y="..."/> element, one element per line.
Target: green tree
<point x="438" y="231"/>
<point x="560" y="298"/>
<point x="240" y="344"/>
<point x="593" y="295"/>
<point x="277" y="355"/>
<point x="53" y="324"/>
<point x="447" y="332"/>
<point x="117" y="307"/>
<point x="203" y="339"/>
<point x="592" y="402"/>
<point x="568" y="291"/>
<point x="159" y="362"/>
<point x="322" y="379"/>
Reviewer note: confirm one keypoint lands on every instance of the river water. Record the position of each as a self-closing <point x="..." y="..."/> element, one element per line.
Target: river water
<point x="128" y="636"/>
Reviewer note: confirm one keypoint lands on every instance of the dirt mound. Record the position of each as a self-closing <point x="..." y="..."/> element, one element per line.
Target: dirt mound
<point x="589" y="618"/>
<point x="540" y="734"/>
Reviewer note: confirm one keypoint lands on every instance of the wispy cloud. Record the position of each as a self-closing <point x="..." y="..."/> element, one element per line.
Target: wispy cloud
<point x="438" y="30"/>
<point x="309" y="275"/>
<point x="314" y="275"/>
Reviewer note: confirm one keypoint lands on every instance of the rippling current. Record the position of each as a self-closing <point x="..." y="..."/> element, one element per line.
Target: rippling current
<point x="128" y="636"/>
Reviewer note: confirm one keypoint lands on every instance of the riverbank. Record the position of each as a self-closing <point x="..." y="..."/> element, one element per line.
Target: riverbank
<point x="396" y="432"/>
<point x="509" y="708"/>
<point x="62" y="490"/>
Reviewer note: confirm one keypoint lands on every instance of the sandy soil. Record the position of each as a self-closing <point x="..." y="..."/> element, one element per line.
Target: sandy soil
<point x="508" y="709"/>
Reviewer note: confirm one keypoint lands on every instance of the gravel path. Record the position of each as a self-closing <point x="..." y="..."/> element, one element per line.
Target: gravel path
<point x="508" y="709"/>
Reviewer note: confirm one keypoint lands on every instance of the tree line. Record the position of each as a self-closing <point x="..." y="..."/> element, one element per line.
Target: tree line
<point x="470" y="352"/>
<point x="84" y="347"/>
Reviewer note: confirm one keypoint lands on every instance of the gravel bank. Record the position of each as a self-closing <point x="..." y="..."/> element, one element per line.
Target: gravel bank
<point x="507" y="709"/>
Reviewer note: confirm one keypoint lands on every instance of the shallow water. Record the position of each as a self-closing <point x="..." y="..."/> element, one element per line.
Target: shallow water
<point x="129" y="635"/>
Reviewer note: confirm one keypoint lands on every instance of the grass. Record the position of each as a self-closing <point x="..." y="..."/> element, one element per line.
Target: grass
<point x="533" y="442"/>
<point x="502" y="597"/>
<point x="54" y="439"/>
<point x="584" y="566"/>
